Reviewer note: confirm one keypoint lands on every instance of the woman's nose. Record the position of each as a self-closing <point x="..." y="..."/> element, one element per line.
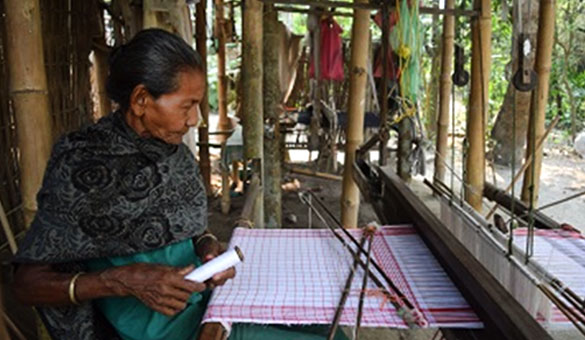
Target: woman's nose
<point x="193" y="118"/>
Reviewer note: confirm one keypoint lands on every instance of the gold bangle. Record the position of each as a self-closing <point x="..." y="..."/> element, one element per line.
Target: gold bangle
<point x="204" y="236"/>
<point x="72" y="297"/>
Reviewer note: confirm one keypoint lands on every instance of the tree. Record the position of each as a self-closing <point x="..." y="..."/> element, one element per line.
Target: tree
<point x="519" y="101"/>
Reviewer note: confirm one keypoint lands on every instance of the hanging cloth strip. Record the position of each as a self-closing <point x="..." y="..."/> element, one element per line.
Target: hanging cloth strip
<point x="296" y="276"/>
<point x="393" y="70"/>
<point x="331" y="51"/>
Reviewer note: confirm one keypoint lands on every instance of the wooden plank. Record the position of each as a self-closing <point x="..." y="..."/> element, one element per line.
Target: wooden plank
<point x="503" y="316"/>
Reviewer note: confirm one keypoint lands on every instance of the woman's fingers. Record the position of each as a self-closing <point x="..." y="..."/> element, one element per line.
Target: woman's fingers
<point x="220" y="278"/>
<point x="186" y="270"/>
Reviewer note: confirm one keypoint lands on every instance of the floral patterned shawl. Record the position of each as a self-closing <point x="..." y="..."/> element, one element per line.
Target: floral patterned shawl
<point x="108" y="192"/>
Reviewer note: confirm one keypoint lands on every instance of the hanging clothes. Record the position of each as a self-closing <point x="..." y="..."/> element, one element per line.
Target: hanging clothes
<point x="392" y="66"/>
<point x="331" y="51"/>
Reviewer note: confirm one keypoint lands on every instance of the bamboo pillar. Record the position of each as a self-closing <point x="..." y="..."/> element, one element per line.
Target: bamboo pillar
<point x="481" y="31"/>
<point x="100" y="70"/>
<point x="200" y="41"/>
<point x="29" y="93"/>
<point x="445" y="91"/>
<point x="272" y="108"/>
<point x="544" y="47"/>
<point x="360" y="32"/>
<point x="224" y="122"/>
<point x="252" y="69"/>
<point x="405" y="139"/>
<point x="384" y="86"/>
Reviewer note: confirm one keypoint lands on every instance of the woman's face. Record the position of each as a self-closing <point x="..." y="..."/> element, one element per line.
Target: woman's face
<point x="171" y="115"/>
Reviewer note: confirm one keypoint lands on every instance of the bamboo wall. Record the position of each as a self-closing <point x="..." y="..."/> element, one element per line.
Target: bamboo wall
<point x="67" y="39"/>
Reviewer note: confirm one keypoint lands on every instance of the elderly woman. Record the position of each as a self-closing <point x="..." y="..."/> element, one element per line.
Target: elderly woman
<point x="122" y="211"/>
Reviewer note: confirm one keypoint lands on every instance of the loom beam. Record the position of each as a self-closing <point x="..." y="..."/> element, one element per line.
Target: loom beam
<point x="521" y="210"/>
<point x="502" y="315"/>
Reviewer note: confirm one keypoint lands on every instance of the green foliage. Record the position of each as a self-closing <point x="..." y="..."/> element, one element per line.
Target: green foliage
<point x="568" y="67"/>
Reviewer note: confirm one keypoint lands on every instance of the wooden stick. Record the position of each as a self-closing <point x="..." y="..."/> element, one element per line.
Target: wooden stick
<point x="7" y="230"/>
<point x="525" y="165"/>
<point x="346" y="290"/>
<point x="201" y="43"/>
<point x="364" y="286"/>
<point x="315" y="173"/>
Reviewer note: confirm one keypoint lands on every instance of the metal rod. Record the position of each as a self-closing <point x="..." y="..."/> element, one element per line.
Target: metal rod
<point x="346" y="291"/>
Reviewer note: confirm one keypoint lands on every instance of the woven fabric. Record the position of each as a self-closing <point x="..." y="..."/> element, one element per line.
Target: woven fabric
<point x="562" y="254"/>
<point x="296" y="276"/>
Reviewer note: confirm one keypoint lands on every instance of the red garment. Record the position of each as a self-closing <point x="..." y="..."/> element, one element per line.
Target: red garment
<point x="331" y="51"/>
<point x="393" y="70"/>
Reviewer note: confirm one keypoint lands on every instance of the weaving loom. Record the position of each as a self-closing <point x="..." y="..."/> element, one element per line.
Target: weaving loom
<point x="438" y="264"/>
<point x="297" y="277"/>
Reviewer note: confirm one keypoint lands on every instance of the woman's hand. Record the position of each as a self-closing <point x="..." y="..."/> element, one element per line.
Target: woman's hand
<point x="208" y="249"/>
<point x="162" y="288"/>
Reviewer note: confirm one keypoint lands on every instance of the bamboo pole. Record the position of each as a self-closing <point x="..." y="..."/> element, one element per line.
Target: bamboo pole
<point x="543" y="63"/>
<point x="3" y="329"/>
<point x="200" y="42"/>
<point x="445" y="92"/>
<point x="360" y="31"/>
<point x="481" y="31"/>
<point x="252" y="70"/>
<point x="224" y="123"/>
<point x="384" y="86"/>
<point x="272" y="108"/>
<point x="29" y="93"/>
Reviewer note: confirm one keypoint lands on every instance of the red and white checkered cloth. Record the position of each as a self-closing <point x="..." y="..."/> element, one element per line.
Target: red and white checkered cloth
<point x="561" y="253"/>
<point x="296" y="276"/>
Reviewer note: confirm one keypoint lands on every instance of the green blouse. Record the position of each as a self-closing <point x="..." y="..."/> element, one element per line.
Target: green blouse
<point x="134" y="320"/>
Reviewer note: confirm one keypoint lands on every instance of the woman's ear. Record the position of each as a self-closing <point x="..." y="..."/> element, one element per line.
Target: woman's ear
<point x="138" y="100"/>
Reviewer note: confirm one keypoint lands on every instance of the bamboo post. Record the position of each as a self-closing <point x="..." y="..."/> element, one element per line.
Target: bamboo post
<point x="29" y="93"/>
<point x="445" y="92"/>
<point x="384" y="86"/>
<point x="3" y="329"/>
<point x="405" y="138"/>
<point x="481" y="31"/>
<point x="100" y="65"/>
<point x="544" y="47"/>
<point x="224" y="123"/>
<point x="272" y="108"/>
<point x="360" y="31"/>
<point x="252" y="69"/>
<point x="200" y="42"/>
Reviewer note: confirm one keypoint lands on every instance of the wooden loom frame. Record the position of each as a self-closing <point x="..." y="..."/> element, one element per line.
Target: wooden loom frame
<point x="501" y="314"/>
<point x="395" y="203"/>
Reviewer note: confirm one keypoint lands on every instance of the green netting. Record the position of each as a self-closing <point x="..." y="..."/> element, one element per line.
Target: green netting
<point x="407" y="39"/>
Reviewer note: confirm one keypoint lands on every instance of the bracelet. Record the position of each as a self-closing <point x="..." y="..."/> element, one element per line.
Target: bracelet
<point x="72" y="297"/>
<point x="204" y="236"/>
